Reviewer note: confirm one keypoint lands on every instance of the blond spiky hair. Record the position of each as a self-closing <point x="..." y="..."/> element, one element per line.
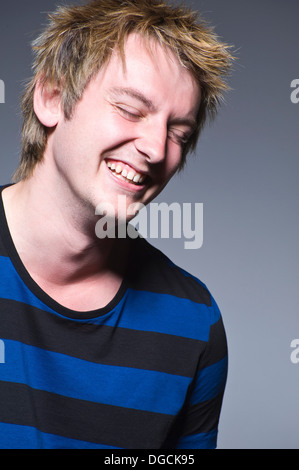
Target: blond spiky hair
<point x="79" y="40"/>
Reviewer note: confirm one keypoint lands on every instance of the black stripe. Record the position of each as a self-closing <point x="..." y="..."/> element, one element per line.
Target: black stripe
<point x="203" y="417"/>
<point x="3" y="225"/>
<point x="200" y="418"/>
<point x="159" y="275"/>
<point x="131" y="348"/>
<point x="2" y="249"/>
<point x="78" y="419"/>
<point x="217" y="345"/>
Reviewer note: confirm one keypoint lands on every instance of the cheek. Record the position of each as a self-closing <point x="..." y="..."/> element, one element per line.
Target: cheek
<point x="111" y="132"/>
<point x="173" y="160"/>
<point x="72" y="149"/>
<point x="121" y="127"/>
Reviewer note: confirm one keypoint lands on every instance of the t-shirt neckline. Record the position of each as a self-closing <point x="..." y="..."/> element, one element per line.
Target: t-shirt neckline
<point x="21" y="270"/>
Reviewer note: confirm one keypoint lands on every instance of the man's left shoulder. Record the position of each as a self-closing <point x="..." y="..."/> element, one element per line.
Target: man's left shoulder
<point x="177" y="302"/>
<point x="161" y="275"/>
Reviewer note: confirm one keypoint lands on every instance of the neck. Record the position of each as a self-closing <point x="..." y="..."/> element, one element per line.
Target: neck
<point x="57" y="242"/>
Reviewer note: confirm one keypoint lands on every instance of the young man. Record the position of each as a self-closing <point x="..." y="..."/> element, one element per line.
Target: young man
<point x="107" y="343"/>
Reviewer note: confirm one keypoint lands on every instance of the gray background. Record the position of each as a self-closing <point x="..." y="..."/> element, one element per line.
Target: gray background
<point x="245" y="173"/>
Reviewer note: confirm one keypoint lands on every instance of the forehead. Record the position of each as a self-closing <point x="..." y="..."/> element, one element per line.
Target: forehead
<point x="155" y="71"/>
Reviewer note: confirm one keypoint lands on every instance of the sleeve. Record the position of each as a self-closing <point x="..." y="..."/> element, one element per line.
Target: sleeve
<point x="202" y="411"/>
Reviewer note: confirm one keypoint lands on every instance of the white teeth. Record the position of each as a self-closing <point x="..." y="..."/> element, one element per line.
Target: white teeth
<point x="130" y="176"/>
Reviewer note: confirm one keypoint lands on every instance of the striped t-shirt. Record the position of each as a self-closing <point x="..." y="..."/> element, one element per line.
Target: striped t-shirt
<point x="147" y="371"/>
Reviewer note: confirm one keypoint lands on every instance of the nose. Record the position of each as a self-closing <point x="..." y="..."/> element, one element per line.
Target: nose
<point x="152" y="142"/>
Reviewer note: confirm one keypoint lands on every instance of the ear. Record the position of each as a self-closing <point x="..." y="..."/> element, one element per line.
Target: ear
<point x="46" y="103"/>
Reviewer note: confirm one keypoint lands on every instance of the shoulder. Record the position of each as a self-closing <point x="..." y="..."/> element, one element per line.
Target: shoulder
<point x="154" y="271"/>
<point x="184" y="294"/>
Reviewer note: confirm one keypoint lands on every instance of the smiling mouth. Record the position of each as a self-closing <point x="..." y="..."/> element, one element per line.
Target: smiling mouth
<point x="121" y="171"/>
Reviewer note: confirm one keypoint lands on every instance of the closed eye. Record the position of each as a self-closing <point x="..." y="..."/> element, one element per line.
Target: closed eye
<point x="179" y="137"/>
<point x="129" y="113"/>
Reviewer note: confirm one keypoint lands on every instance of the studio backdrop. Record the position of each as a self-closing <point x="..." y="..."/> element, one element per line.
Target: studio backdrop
<point x="241" y="187"/>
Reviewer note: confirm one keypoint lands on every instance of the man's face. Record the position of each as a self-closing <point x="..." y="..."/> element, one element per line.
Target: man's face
<point x="127" y="132"/>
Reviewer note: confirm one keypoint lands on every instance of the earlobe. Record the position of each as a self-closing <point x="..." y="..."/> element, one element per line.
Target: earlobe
<point x="47" y="104"/>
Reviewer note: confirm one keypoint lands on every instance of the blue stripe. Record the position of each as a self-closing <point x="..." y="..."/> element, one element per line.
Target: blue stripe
<point x="112" y="385"/>
<point x="206" y="440"/>
<point x="145" y="311"/>
<point x="167" y="314"/>
<point x="26" y="437"/>
<point x="12" y="287"/>
<point x="210" y="382"/>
